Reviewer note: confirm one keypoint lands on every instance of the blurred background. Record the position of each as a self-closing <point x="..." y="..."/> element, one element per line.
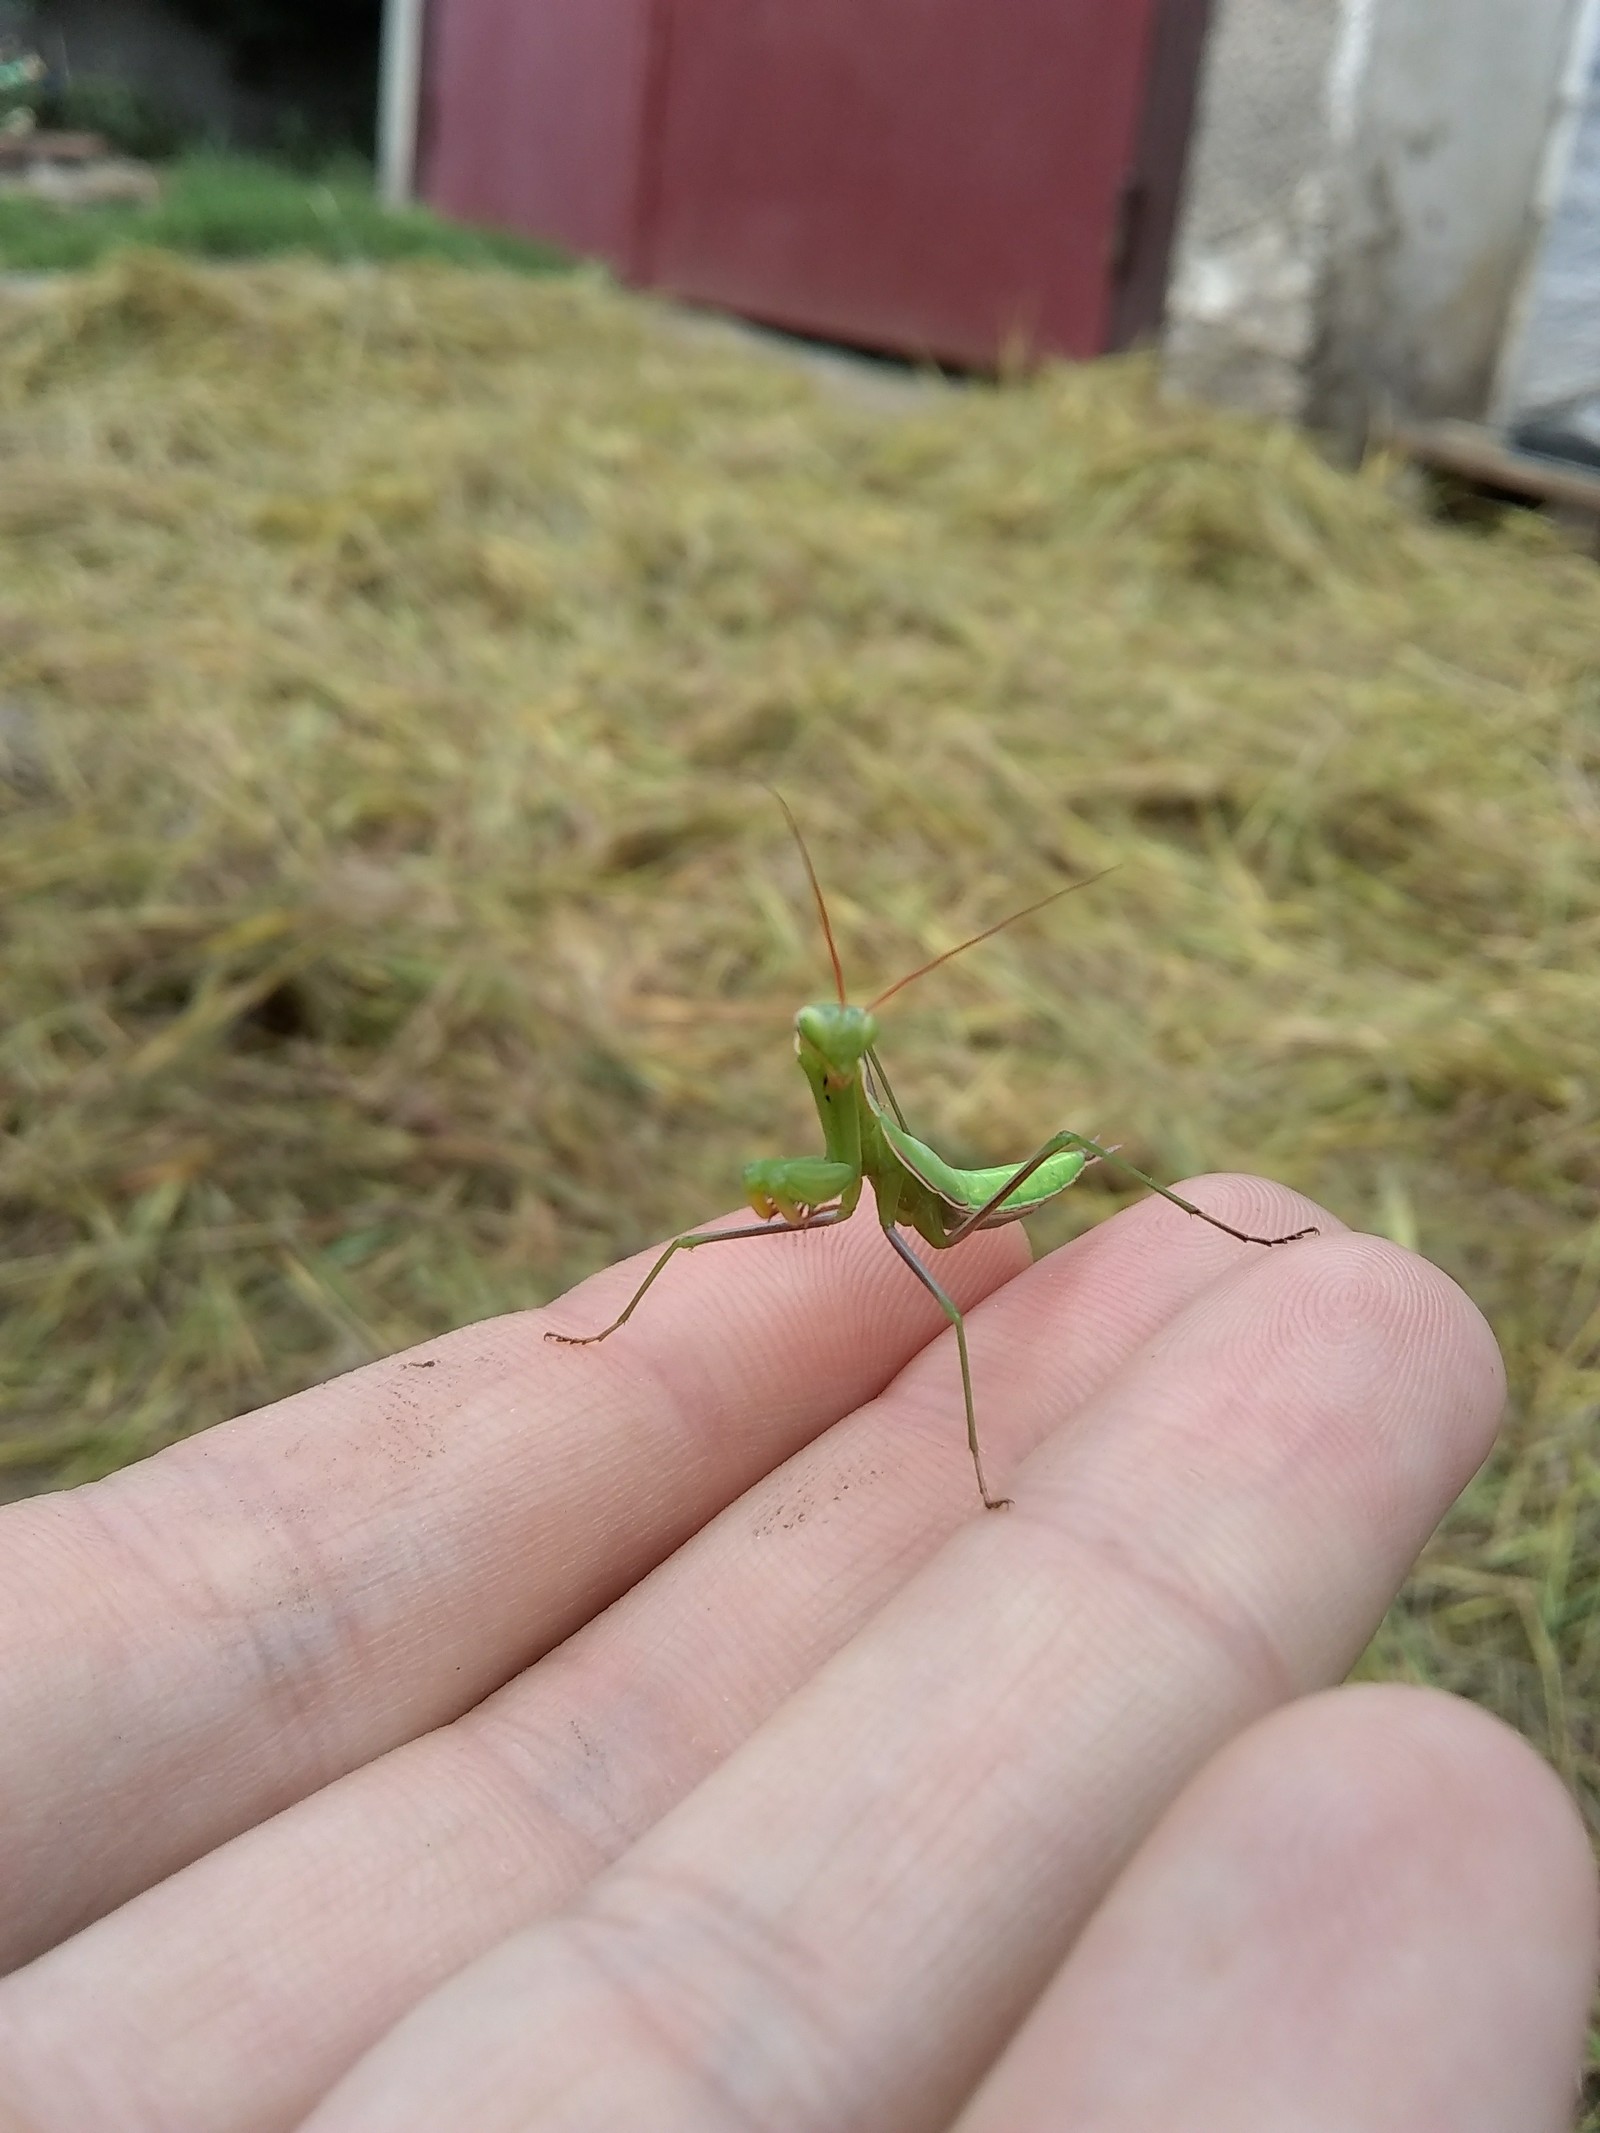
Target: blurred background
<point x="452" y="455"/>
<point x="264" y="75"/>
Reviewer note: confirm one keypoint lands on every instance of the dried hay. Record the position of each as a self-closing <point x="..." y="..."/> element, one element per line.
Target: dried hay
<point x="395" y="929"/>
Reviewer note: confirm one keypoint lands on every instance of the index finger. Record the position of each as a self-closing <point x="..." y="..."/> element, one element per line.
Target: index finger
<point x="201" y="1640"/>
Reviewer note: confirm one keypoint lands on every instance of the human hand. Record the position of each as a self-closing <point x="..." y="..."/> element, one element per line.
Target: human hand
<point x="523" y="1790"/>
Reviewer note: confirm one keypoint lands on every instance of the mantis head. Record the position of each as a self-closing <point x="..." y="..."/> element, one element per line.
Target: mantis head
<point x="835" y="1037"/>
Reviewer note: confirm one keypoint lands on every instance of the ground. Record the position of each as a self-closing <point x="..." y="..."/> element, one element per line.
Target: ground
<point x="395" y="926"/>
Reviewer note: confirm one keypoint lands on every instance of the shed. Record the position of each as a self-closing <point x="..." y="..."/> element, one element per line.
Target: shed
<point x="897" y="174"/>
<point x="1384" y="218"/>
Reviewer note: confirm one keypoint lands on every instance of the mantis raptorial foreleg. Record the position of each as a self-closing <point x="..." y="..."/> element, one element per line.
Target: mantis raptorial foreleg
<point x="952" y="1311"/>
<point x="1057" y="1144"/>
<point x="688" y="1244"/>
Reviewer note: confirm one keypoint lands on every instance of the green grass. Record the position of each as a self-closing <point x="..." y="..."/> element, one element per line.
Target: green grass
<point x="239" y="207"/>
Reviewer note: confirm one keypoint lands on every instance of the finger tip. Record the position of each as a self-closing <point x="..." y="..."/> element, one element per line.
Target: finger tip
<point x="1386" y="1314"/>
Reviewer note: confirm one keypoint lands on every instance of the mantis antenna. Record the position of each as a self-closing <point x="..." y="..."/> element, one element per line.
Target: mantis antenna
<point x="988" y="932"/>
<point x="922" y="970"/>
<point x="816" y="890"/>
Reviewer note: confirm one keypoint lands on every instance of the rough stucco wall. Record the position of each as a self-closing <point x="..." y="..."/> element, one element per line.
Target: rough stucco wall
<point x="1242" y="311"/>
<point x="1360" y="203"/>
<point x="1432" y="211"/>
<point x="1558" y="354"/>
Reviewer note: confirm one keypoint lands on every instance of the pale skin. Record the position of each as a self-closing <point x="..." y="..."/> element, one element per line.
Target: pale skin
<point x="858" y="1809"/>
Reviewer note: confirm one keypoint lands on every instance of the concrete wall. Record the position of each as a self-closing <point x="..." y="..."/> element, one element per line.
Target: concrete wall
<point x="1555" y="353"/>
<point x="1434" y="206"/>
<point x="1242" y="309"/>
<point x="1360" y="203"/>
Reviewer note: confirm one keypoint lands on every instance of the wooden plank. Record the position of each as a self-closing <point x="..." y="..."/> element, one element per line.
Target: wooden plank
<point x="41" y="146"/>
<point x="1477" y="454"/>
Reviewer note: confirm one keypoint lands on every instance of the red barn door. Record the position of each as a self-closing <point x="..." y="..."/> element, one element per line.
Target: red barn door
<point x="534" y="117"/>
<point x="951" y="178"/>
<point x="938" y="176"/>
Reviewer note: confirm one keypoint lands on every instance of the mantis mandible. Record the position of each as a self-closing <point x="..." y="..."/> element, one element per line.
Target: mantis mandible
<point x="865" y="1137"/>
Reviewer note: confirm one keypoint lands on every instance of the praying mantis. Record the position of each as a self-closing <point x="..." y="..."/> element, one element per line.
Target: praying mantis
<point x="866" y="1139"/>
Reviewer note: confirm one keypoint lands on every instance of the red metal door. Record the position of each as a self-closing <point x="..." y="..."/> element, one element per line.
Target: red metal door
<point x="952" y="178"/>
<point x="534" y="117"/>
<point x="944" y="177"/>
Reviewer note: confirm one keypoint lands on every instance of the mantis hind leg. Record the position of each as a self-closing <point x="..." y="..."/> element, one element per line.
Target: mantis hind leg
<point x="691" y="1243"/>
<point x="989" y="1216"/>
<point x="952" y="1311"/>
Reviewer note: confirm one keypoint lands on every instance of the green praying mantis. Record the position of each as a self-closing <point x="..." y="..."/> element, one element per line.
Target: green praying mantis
<point x="865" y="1138"/>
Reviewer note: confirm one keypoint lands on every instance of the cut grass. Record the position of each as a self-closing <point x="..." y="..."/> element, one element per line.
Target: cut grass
<point x="394" y="929"/>
<point x="240" y="207"/>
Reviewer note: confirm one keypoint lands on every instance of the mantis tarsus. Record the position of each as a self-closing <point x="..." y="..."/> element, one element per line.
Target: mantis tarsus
<point x="865" y="1137"/>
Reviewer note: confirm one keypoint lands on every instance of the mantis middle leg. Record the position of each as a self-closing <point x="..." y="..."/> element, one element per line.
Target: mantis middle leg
<point x="952" y="1311"/>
